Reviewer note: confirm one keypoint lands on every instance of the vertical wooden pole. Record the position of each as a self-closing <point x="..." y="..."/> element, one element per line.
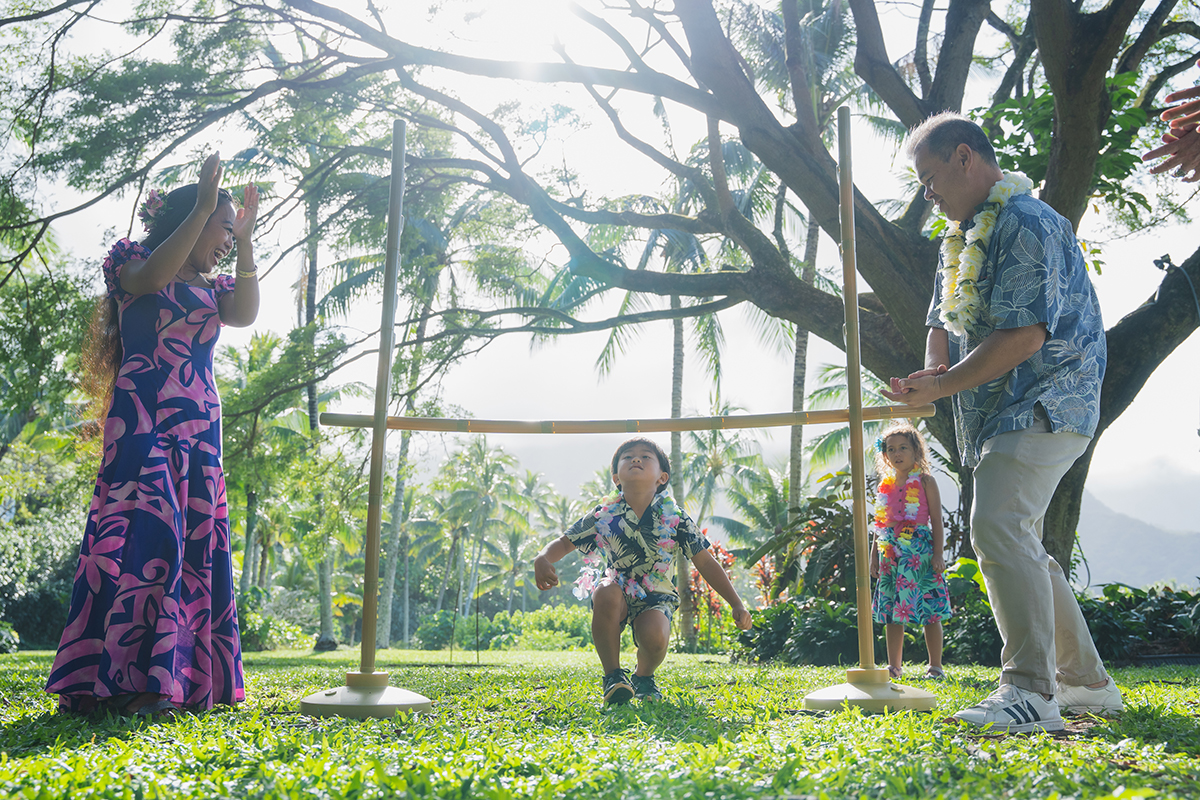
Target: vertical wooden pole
<point x="866" y="687"/>
<point x="862" y="573"/>
<point x="383" y="384"/>
<point x="366" y="692"/>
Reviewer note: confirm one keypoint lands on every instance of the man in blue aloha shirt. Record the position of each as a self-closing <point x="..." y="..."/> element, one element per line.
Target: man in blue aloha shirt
<point x="1015" y="337"/>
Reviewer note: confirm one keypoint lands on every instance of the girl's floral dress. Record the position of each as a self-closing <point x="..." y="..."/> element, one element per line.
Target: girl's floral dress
<point x="908" y="590"/>
<point x="152" y="608"/>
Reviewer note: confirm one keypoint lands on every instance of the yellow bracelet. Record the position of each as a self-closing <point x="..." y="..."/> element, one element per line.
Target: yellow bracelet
<point x="247" y="273"/>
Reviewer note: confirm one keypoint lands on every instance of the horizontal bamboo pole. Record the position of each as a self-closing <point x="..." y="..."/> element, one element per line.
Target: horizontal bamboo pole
<point x="831" y="416"/>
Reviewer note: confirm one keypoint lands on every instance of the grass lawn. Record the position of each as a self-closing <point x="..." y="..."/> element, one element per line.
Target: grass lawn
<point x="524" y="724"/>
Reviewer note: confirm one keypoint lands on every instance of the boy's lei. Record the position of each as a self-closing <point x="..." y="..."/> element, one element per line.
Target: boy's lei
<point x="963" y="255"/>
<point x="610" y="522"/>
<point x="887" y="504"/>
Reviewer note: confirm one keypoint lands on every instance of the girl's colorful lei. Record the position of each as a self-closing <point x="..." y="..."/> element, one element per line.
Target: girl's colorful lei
<point x="899" y="512"/>
<point x="963" y="255"/>
<point x="610" y="523"/>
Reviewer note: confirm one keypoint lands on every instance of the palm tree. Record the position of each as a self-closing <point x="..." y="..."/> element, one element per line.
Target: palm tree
<point x="760" y="500"/>
<point x="483" y="495"/>
<point x="713" y="458"/>
<point x="261" y="436"/>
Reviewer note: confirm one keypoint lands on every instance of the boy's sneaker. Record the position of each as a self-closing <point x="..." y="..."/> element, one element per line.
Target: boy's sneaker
<point x="617" y="688"/>
<point x="1080" y="699"/>
<point x="1014" y="710"/>
<point x="644" y="687"/>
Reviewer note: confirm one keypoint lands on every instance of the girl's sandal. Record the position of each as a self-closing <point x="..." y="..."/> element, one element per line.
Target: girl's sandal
<point x="119" y="704"/>
<point x="935" y="673"/>
<point x="894" y="673"/>
<point x="159" y="708"/>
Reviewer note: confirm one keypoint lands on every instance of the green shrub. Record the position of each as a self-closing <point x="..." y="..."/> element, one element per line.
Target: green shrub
<point x="477" y="631"/>
<point x="10" y="640"/>
<point x="38" y="558"/>
<point x="806" y="630"/>
<point x="435" y="631"/>
<point x="547" y="628"/>
<point x="1126" y="623"/>
<point x="575" y="621"/>
<point x="261" y="632"/>
<point x="548" y="640"/>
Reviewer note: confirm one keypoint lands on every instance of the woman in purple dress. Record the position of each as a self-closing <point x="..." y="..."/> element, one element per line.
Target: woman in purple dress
<point x="152" y="625"/>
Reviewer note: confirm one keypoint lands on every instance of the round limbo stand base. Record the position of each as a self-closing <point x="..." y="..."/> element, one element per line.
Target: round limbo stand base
<point x="873" y="692"/>
<point x="365" y="695"/>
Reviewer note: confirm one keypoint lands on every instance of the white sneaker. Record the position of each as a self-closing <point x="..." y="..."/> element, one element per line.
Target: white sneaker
<point x="1080" y="699"/>
<point x="1014" y="710"/>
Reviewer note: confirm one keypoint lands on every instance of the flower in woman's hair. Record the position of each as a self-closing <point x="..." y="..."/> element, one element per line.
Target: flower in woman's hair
<point x="151" y="209"/>
<point x="880" y="444"/>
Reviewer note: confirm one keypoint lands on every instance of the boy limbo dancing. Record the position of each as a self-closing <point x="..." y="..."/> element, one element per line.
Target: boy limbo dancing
<point x="639" y="533"/>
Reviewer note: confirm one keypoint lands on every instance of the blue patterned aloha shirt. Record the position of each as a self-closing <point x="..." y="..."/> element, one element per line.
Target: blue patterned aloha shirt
<point x="1034" y="272"/>
<point x="633" y="553"/>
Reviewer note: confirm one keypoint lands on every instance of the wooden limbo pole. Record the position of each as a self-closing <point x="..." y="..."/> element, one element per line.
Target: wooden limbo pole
<point x="366" y="692"/>
<point x="867" y="687"/>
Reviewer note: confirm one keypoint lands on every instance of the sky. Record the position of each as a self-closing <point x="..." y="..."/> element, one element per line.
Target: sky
<point x="1146" y="465"/>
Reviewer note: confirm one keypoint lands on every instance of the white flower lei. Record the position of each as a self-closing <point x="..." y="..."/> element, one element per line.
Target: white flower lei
<point x="963" y="255"/>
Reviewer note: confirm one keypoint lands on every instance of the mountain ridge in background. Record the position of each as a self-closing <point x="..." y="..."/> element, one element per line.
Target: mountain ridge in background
<point x="1123" y="549"/>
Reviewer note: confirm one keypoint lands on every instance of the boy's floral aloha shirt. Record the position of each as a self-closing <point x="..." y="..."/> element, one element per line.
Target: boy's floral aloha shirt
<point x="1034" y="272"/>
<point x="639" y="554"/>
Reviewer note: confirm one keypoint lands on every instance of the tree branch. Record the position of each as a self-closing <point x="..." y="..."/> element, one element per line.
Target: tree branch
<point x="873" y="66"/>
<point x="1131" y="59"/>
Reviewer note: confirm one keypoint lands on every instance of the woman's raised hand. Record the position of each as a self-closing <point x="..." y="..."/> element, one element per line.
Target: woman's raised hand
<point x="209" y="184"/>
<point x="247" y="215"/>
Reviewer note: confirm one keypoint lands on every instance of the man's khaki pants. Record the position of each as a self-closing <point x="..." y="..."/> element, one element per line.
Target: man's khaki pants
<point x="1044" y="632"/>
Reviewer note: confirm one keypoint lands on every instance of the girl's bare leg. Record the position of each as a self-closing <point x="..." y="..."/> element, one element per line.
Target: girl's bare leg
<point x="933" y="643"/>
<point x="895" y="645"/>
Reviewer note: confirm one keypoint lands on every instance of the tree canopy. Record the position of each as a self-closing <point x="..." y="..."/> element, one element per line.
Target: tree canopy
<point x="1076" y="85"/>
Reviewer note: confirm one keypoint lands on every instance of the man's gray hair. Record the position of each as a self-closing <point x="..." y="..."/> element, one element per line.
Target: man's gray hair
<point x="942" y="133"/>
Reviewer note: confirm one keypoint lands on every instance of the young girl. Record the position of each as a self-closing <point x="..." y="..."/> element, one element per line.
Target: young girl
<point x="907" y="559"/>
<point x="152" y="625"/>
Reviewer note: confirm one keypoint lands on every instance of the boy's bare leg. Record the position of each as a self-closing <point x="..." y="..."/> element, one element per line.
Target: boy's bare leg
<point x="608" y="612"/>
<point x="933" y="643"/>
<point x="895" y="644"/>
<point x="653" y="631"/>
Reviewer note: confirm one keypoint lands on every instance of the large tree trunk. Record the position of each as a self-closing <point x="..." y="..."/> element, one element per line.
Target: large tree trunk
<point x="391" y="545"/>
<point x="325" y="589"/>
<point x="407" y="592"/>
<point x="248" y="549"/>
<point x="450" y="558"/>
<point x="264" y="566"/>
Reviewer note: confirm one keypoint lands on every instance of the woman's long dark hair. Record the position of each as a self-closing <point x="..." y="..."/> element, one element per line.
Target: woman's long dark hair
<point x="102" y="352"/>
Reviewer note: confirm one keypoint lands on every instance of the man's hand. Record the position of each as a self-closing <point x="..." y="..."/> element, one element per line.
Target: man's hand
<point x="741" y="618"/>
<point x="902" y="386"/>
<point x="544" y="574"/>
<point x="1182" y="149"/>
<point x="915" y="391"/>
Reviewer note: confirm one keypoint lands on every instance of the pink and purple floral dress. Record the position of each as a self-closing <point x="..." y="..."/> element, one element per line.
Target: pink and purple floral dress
<point x="908" y="590"/>
<point x="152" y="608"/>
